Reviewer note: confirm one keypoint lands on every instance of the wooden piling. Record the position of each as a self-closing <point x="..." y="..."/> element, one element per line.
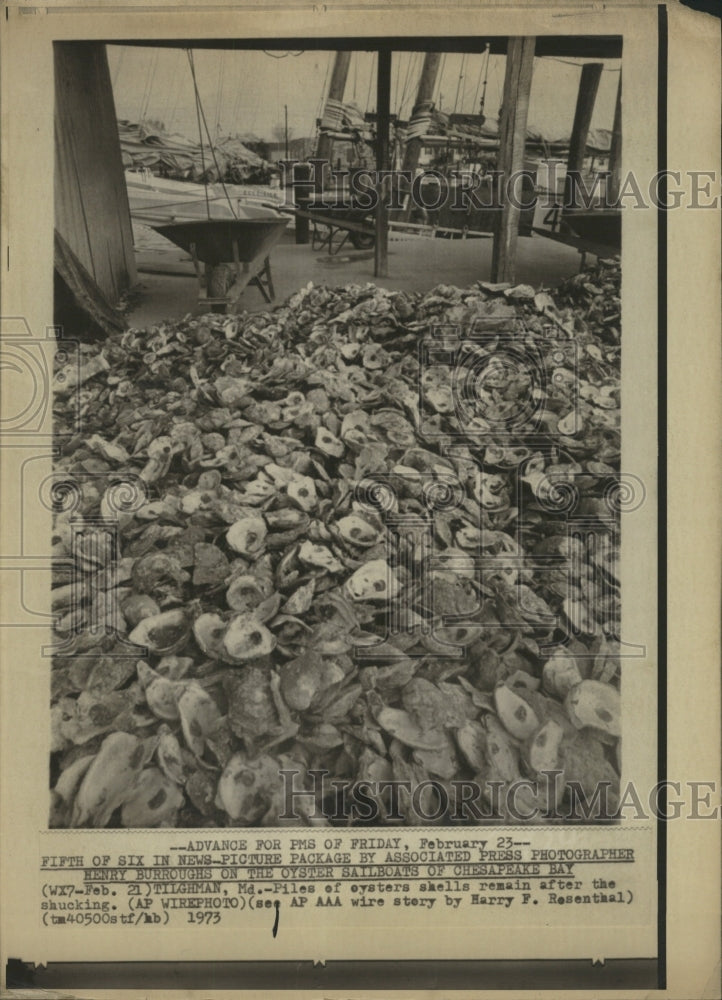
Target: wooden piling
<point x="383" y="115"/>
<point x="615" y="150"/>
<point x="512" y="138"/>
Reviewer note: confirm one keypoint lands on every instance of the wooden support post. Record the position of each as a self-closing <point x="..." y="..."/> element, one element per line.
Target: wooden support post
<point x="301" y="195"/>
<point x="615" y="151"/>
<point x="383" y="115"/>
<point x="512" y="137"/>
<point x="336" y="89"/>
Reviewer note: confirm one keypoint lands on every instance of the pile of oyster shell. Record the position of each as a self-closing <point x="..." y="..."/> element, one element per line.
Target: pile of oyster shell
<point x="323" y="538"/>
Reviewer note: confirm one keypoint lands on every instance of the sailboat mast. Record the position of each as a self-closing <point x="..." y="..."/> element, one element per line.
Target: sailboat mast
<point x="427" y="85"/>
<point x="336" y="89"/>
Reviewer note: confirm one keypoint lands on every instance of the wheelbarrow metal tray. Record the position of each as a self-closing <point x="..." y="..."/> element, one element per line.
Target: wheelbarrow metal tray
<point x="212" y="240"/>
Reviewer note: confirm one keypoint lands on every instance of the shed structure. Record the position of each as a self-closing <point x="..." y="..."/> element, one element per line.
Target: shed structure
<point x="92" y="212"/>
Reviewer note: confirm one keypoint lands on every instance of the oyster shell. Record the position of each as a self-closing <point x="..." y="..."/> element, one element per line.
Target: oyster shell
<point x="374" y="581"/>
<point x="595" y="704"/>
<point x="247" y="536"/>
<point x="247" y="639"/>
<point x="162" y="634"/>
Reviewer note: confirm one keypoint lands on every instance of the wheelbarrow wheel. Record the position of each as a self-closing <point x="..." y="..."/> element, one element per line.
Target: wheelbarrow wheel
<point x="362" y="241"/>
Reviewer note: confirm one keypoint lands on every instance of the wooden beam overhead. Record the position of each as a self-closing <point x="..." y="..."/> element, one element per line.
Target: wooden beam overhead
<point x="560" y="46"/>
<point x="512" y="138"/>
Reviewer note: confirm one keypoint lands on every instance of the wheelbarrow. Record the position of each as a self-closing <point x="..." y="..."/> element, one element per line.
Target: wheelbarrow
<point x="331" y="221"/>
<point x="235" y="253"/>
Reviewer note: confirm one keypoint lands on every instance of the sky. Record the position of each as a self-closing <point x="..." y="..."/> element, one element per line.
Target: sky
<point x="245" y="92"/>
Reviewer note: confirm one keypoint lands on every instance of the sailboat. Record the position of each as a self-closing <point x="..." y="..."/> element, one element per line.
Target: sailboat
<point x="156" y="200"/>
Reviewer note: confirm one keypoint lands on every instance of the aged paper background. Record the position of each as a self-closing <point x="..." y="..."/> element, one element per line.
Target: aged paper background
<point x="693" y="409"/>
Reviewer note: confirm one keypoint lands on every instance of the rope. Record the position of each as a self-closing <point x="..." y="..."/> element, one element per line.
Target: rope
<point x="142" y="96"/>
<point x="458" y="85"/>
<point x="121" y="57"/>
<point x="200" y="132"/>
<point x="404" y="93"/>
<point x="177" y="94"/>
<point x="397" y="66"/>
<point x="236" y="106"/>
<point x="440" y="80"/>
<point x="283" y="55"/>
<point x="498" y="86"/>
<point x="150" y="85"/>
<point x="150" y="75"/>
<point x="420" y="122"/>
<point x="569" y="62"/>
<point x="219" y="97"/>
<point x="223" y="80"/>
<point x="322" y="99"/>
<point x="371" y="80"/>
<point x="168" y="102"/>
<point x="466" y="91"/>
<point x="482" y="103"/>
<point x="213" y="154"/>
<point x="478" y="80"/>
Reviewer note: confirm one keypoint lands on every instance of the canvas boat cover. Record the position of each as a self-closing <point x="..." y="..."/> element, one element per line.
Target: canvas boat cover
<point x="178" y="157"/>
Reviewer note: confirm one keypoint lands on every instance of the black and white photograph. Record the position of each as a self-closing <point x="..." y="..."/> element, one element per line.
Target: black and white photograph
<point x="338" y="423"/>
